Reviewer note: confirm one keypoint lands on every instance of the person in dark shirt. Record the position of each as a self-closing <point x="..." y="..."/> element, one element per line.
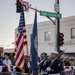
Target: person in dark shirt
<point x="27" y="64"/>
<point x="55" y="66"/>
<point x="43" y="64"/>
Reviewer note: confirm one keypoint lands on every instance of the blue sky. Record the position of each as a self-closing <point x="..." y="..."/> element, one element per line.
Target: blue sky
<point x="9" y="19"/>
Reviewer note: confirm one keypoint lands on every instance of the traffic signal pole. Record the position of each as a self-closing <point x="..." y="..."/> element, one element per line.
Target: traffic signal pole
<point x="56" y="23"/>
<point x="57" y="26"/>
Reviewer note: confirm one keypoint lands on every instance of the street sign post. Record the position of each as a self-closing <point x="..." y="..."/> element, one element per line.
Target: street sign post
<point x="50" y="14"/>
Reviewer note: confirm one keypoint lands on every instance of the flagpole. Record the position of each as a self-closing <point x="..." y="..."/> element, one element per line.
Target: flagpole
<point x="27" y="49"/>
<point x="37" y="47"/>
<point x="37" y="73"/>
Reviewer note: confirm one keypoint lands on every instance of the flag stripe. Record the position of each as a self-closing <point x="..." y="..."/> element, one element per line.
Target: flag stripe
<point x="18" y="40"/>
<point x="21" y="60"/>
<point x="19" y="57"/>
<point x="22" y="64"/>
<point x="19" y="50"/>
<point x="25" y="36"/>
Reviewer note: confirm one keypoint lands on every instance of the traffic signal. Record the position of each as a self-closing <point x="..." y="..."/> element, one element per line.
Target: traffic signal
<point x="18" y="6"/>
<point x="61" y="39"/>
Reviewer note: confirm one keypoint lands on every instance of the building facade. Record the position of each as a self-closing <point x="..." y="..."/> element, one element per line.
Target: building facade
<point x="46" y="36"/>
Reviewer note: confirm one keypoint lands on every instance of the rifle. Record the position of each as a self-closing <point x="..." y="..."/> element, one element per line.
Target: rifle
<point x="61" y="53"/>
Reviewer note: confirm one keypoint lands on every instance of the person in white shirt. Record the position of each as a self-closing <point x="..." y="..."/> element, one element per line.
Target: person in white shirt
<point x="7" y="62"/>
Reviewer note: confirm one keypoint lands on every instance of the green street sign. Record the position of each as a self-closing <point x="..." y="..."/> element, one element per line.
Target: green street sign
<point x="50" y="14"/>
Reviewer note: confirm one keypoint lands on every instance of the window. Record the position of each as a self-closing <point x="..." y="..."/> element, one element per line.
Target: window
<point x="73" y="33"/>
<point x="47" y="36"/>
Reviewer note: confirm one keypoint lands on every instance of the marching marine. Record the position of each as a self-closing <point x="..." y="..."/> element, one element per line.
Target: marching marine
<point x="55" y="65"/>
<point x="43" y="64"/>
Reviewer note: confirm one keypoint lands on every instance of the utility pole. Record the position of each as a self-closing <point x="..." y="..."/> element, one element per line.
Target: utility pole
<point x="57" y="26"/>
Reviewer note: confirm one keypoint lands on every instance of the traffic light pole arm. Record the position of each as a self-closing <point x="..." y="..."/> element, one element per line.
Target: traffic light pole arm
<point x="34" y="9"/>
<point x="54" y="22"/>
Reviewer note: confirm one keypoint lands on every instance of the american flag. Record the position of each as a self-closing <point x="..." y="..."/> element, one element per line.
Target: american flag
<point x="21" y="41"/>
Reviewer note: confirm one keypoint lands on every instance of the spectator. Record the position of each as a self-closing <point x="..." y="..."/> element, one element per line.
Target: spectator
<point x="71" y="61"/>
<point x="1" y="63"/>
<point x="27" y="64"/>
<point x="11" y="57"/>
<point x="66" y="61"/>
<point x="7" y="62"/>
